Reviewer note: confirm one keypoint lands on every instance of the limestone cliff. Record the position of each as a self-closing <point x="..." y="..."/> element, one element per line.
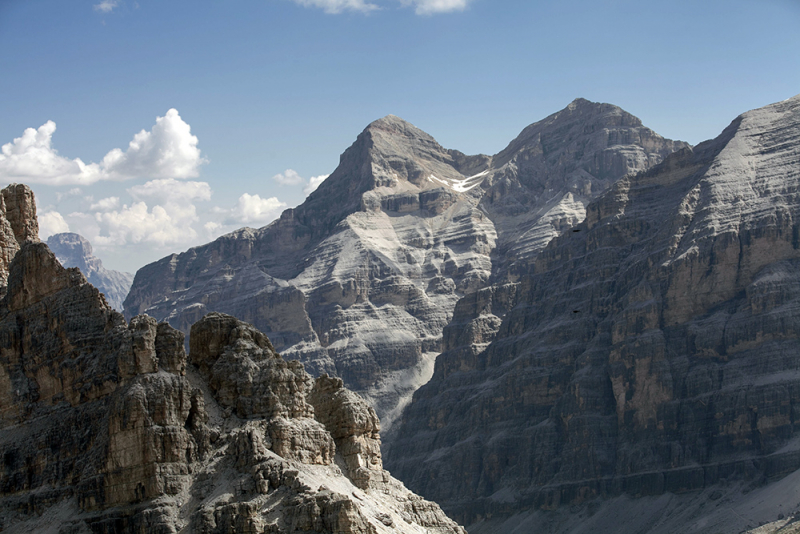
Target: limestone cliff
<point x="654" y="349"/>
<point x="73" y="250"/>
<point x="18" y="224"/>
<point x="360" y="280"/>
<point x="108" y="426"/>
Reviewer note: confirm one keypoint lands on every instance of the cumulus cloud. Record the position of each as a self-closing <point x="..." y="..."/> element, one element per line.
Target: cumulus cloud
<point x="51" y="223"/>
<point x="105" y="204"/>
<point x="169" y="150"/>
<point x="171" y="190"/>
<point x="252" y="209"/>
<point x="429" y="7"/>
<point x="338" y="6"/>
<point x="163" y="214"/>
<point x="106" y="6"/>
<point x="313" y="183"/>
<point x="159" y="225"/>
<point x="288" y="177"/>
<point x="31" y="159"/>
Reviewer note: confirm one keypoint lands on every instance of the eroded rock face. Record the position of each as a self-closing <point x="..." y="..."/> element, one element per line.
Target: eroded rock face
<point x="360" y="280"/>
<point x="73" y="250"/>
<point x="354" y="426"/>
<point x="654" y="349"/>
<point x="18" y="224"/>
<point x="107" y="426"/>
<point x="85" y="410"/>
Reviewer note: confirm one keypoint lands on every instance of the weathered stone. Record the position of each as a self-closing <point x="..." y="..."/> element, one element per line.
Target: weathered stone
<point x="20" y="211"/>
<point x="106" y="430"/>
<point x="353" y="425"/>
<point x="18" y="224"/>
<point x="244" y="371"/>
<point x="654" y="349"/>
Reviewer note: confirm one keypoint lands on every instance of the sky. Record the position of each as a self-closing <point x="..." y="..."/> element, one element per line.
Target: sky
<point x="151" y="126"/>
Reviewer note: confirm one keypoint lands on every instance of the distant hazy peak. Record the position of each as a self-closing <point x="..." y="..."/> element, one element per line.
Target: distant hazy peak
<point x="71" y="240"/>
<point x="74" y="250"/>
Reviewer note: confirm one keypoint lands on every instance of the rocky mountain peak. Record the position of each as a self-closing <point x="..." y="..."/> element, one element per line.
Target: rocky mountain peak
<point x="396" y="126"/>
<point x="20" y="210"/>
<point x="72" y="241"/>
<point x="575" y="124"/>
<point x="18" y="224"/>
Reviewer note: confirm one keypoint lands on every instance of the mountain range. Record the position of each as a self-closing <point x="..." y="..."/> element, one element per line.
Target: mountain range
<point x="361" y="279"/>
<point x="595" y="330"/>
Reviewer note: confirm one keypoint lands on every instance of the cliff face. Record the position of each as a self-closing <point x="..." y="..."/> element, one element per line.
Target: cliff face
<point x="108" y="426"/>
<point x="360" y="280"/>
<point x="73" y="250"/>
<point x="18" y="224"/>
<point x="653" y="349"/>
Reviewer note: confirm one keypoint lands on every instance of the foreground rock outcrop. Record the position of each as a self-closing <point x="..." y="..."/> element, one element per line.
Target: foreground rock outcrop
<point x="73" y="250"/>
<point x="653" y="350"/>
<point x="360" y="280"/>
<point x="18" y="224"/>
<point x="108" y="426"/>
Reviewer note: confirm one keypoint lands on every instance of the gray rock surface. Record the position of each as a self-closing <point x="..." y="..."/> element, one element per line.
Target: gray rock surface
<point x="18" y="224"/>
<point x="653" y="350"/>
<point x="360" y="280"/>
<point x="73" y="250"/>
<point x="108" y="426"/>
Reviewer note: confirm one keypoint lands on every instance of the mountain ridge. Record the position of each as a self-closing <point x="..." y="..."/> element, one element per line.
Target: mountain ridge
<point x="360" y="280"/>
<point x="652" y="350"/>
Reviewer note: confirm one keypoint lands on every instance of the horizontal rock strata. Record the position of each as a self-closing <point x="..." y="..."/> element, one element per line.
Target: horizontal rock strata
<point x="653" y="348"/>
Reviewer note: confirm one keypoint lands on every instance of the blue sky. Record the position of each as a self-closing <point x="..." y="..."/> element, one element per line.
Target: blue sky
<point x="267" y="93"/>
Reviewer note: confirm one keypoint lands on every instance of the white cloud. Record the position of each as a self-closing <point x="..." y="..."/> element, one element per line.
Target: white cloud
<point x="288" y="177"/>
<point x="169" y="150"/>
<point x="161" y="225"/>
<point x="313" y="183"/>
<point x="105" y="204"/>
<point x="51" y="223"/>
<point x="171" y="190"/>
<point x="429" y="7"/>
<point x="338" y="6"/>
<point x="252" y="209"/>
<point x="106" y="6"/>
<point x="31" y="159"/>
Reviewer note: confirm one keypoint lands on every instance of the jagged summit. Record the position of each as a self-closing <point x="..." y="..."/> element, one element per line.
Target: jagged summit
<point x="74" y="250"/>
<point x="579" y="118"/>
<point x="397" y="125"/>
